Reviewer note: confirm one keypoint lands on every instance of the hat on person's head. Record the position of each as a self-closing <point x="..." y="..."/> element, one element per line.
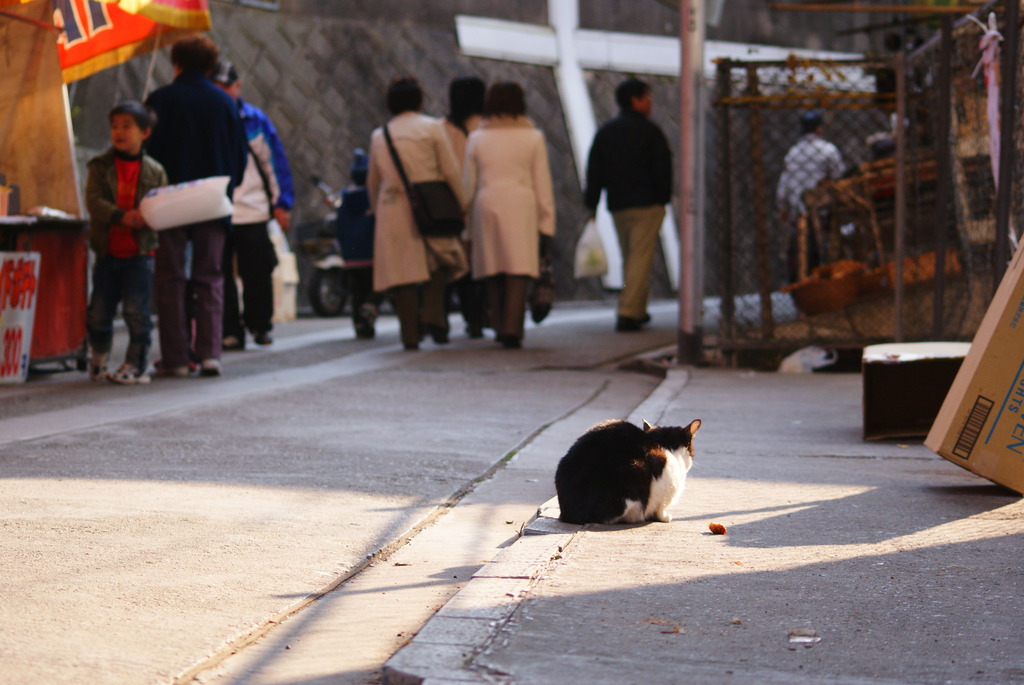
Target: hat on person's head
<point x="360" y="166"/>
<point x="225" y="73"/>
<point x="810" y="122"/>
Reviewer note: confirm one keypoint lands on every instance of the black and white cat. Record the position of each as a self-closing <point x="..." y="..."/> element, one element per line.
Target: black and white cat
<point x="617" y="472"/>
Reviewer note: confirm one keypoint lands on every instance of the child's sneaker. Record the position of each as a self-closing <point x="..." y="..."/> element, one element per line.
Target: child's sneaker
<point x="129" y="375"/>
<point x="210" y="367"/>
<point x="98" y="367"/>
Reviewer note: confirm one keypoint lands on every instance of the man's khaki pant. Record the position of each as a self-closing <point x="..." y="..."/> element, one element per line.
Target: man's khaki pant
<point x="637" y="229"/>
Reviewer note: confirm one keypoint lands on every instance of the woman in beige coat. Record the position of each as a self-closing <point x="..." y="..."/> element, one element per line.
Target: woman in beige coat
<point x="406" y="266"/>
<point x="512" y="206"/>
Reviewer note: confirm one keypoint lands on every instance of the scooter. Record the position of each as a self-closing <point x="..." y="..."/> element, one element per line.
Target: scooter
<point x="328" y="289"/>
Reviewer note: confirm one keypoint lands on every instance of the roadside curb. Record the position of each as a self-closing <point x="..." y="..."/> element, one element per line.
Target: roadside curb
<point x="443" y="651"/>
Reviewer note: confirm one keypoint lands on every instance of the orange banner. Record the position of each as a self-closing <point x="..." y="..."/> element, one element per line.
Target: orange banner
<point x="97" y="35"/>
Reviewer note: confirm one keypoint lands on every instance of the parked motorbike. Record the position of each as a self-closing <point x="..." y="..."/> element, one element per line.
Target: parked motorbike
<point x="328" y="286"/>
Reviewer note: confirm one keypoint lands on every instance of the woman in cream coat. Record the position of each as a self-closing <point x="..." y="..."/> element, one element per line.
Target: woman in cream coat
<point x="404" y="264"/>
<point x="512" y="206"/>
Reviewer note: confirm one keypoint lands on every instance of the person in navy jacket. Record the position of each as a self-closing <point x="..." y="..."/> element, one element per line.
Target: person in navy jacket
<point x="198" y="134"/>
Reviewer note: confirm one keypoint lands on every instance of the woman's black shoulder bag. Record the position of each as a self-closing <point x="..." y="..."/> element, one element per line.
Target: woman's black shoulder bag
<point x="435" y="208"/>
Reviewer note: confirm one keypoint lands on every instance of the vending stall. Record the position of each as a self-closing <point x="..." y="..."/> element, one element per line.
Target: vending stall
<point x="41" y="224"/>
<point x="46" y="44"/>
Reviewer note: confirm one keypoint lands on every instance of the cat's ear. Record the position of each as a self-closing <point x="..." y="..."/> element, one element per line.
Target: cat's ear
<point x="694" y="425"/>
<point x="647" y="426"/>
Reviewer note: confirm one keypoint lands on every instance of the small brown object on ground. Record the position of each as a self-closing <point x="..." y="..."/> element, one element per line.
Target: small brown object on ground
<point x="716" y="528"/>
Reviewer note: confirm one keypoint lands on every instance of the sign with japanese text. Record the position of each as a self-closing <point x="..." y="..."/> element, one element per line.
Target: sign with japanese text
<point x="19" y="287"/>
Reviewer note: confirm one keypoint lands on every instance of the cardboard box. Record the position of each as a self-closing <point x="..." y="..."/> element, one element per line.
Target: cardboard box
<point x="904" y="386"/>
<point x="980" y="425"/>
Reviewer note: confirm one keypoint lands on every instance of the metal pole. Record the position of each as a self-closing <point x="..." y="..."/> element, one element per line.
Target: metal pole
<point x="943" y="163"/>
<point x="723" y="210"/>
<point x="901" y="194"/>
<point x="762" y="236"/>
<point x="691" y="38"/>
<point x="1007" y="121"/>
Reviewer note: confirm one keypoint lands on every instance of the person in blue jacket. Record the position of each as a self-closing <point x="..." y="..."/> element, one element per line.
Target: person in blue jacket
<point x="198" y="134"/>
<point x="265" y="193"/>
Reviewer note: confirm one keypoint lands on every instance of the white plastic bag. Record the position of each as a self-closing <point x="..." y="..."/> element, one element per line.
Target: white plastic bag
<point x="591" y="259"/>
<point x="186" y="203"/>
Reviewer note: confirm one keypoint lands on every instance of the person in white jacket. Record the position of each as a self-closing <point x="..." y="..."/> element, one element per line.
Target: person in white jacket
<point x="512" y="207"/>
<point x="810" y="160"/>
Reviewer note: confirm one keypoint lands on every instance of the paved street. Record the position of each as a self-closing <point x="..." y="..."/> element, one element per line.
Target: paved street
<point x="151" y="531"/>
<point x="844" y="561"/>
<point x="336" y="511"/>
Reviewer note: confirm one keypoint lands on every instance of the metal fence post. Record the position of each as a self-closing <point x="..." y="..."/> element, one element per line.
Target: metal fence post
<point x="943" y="163"/>
<point x="1007" y="124"/>
<point x="763" y="237"/>
<point x="901" y="195"/>
<point x="724" y="207"/>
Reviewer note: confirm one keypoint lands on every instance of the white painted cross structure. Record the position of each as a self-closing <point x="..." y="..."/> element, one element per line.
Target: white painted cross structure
<point x="569" y="50"/>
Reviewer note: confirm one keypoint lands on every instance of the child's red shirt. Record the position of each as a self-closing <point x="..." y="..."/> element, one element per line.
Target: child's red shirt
<point x="122" y="242"/>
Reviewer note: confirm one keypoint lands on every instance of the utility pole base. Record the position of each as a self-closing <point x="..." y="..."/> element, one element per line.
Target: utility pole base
<point x="691" y="347"/>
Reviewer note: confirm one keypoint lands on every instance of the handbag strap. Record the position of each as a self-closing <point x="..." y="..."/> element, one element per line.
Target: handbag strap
<point x="263" y="177"/>
<point x="401" y="172"/>
<point x="398" y="162"/>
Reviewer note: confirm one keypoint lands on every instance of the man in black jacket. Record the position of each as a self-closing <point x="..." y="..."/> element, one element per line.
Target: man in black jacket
<point x="630" y="160"/>
<point x="198" y="134"/>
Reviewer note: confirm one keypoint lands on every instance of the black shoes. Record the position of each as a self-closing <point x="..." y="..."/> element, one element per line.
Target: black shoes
<point x="438" y="335"/>
<point x="364" y="320"/>
<point x="233" y="343"/>
<point x="237" y="342"/>
<point x="627" y="324"/>
<point x="510" y="342"/>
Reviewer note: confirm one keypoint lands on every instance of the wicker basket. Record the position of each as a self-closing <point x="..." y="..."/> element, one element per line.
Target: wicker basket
<point x="829" y="288"/>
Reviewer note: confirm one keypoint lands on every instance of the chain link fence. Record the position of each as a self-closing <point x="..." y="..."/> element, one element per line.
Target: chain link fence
<point x="825" y="228"/>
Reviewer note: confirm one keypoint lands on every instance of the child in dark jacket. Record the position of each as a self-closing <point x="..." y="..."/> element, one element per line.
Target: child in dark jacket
<point x="123" y="243"/>
<point x="355" y="227"/>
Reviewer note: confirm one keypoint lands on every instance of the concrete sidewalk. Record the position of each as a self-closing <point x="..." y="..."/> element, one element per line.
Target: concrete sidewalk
<point x="844" y="561"/>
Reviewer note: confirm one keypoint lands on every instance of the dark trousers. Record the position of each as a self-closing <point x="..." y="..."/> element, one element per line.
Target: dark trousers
<point x="470" y="294"/>
<point x="207" y="280"/>
<point x="420" y="305"/>
<point x="506" y="300"/>
<point x="249" y="253"/>
<point x="126" y="280"/>
<point x="360" y="286"/>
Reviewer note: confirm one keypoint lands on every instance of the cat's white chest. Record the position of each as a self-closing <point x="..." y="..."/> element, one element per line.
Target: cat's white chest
<point x="666" y="488"/>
